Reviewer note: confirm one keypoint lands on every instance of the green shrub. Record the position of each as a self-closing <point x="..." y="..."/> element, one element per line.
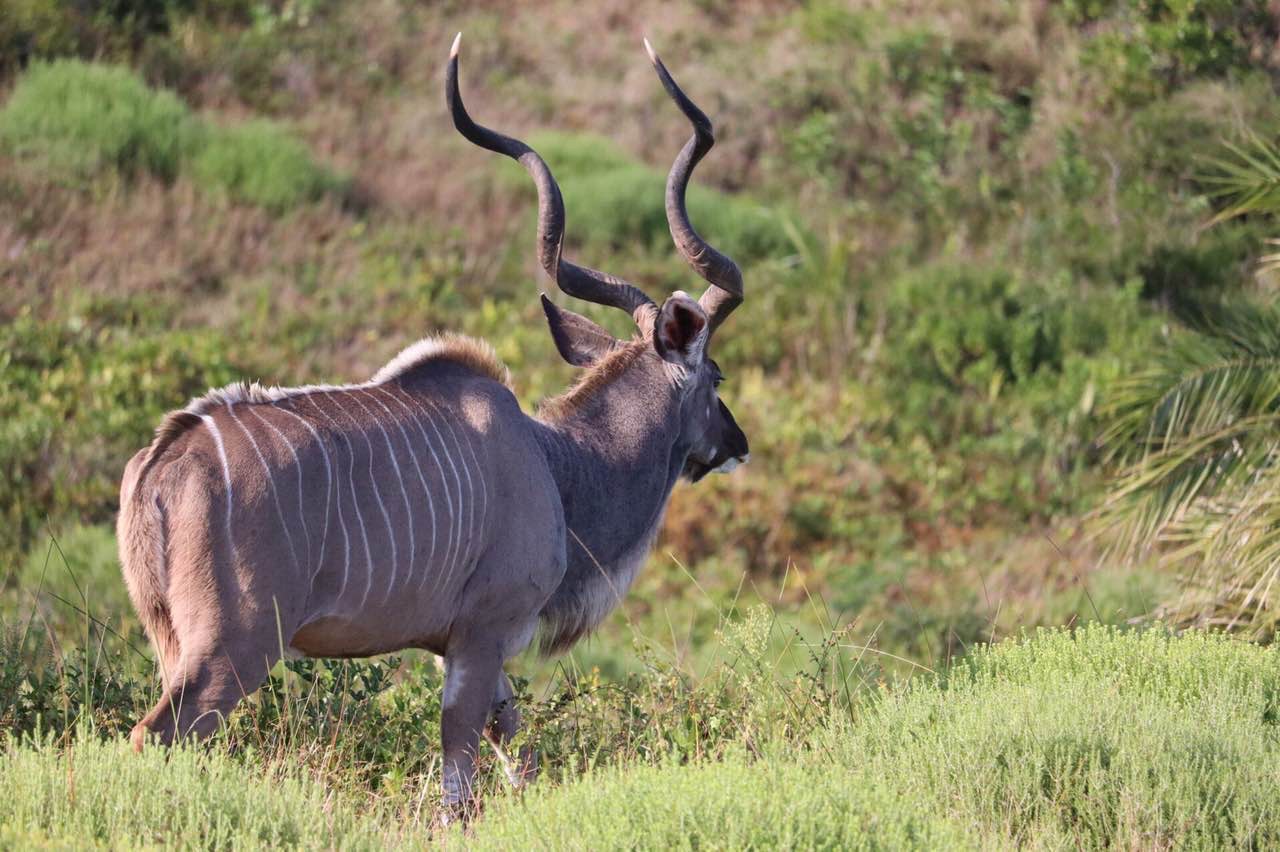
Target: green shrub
<point x="975" y="326"/>
<point x="33" y="28"/>
<point x="260" y="163"/>
<point x="76" y="403"/>
<point x="117" y="30"/>
<point x="1148" y="48"/>
<point x="83" y="119"/>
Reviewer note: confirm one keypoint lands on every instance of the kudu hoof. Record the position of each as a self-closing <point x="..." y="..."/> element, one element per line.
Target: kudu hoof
<point x="138" y="737"/>
<point x="457" y="813"/>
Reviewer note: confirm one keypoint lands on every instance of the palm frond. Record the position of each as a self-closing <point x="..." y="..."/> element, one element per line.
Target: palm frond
<point x="1246" y="179"/>
<point x="1197" y="437"/>
<point x="1270" y="263"/>
<point x="1202" y="384"/>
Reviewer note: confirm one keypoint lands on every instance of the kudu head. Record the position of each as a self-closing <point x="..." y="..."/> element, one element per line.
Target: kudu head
<point x="675" y="336"/>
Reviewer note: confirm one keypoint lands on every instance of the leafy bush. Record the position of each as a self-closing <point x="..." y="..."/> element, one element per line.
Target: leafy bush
<point x="918" y="123"/>
<point x="34" y="30"/>
<point x="1150" y="46"/>
<point x="983" y="335"/>
<point x="82" y="119"/>
<point x="260" y="163"/>
<point x="85" y="119"/>
<point x="39" y="28"/>
<point x="975" y="326"/>
<point x="76" y="403"/>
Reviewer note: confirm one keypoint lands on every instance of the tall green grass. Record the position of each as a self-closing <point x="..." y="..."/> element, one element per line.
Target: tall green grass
<point x="774" y="803"/>
<point x="1093" y="738"/>
<point x="1090" y="739"/>
<point x="1097" y="738"/>
<point x="100" y="794"/>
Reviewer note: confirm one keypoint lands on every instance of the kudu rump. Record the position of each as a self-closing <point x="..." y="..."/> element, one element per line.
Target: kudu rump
<point x="423" y="508"/>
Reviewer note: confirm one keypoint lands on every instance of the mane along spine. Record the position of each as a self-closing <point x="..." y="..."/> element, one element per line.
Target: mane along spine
<point x="472" y="353"/>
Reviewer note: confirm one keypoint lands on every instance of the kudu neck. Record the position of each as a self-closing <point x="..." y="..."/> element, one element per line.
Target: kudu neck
<point x="613" y="456"/>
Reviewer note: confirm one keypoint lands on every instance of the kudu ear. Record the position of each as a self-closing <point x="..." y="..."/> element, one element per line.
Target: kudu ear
<point x="581" y="342"/>
<point x="680" y="334"/>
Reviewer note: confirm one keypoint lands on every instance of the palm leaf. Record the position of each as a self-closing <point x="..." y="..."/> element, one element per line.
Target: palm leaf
<point x="1246" y="179"/>
<point x="1197" y="438"/>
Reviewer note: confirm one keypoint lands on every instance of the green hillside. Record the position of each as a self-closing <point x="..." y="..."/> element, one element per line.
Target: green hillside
<point x="1006" y="361"/>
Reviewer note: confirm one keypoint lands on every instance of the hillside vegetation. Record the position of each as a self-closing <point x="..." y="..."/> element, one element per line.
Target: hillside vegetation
<point x="985" y="246"/>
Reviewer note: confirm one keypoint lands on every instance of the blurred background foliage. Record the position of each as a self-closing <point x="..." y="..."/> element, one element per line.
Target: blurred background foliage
<point x="974" y="236"/>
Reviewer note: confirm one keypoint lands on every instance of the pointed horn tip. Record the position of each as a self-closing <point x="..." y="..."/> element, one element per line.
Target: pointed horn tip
<point x="457" y="44"/>
<point x="653" y="54"/>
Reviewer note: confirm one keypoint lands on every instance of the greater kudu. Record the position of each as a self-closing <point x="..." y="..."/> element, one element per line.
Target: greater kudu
<point x="423" y="508"/>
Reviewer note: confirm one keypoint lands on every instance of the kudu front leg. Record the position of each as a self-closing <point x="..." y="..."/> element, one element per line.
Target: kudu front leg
<point x="470" y="674"/>
<point x="503" y="725"/>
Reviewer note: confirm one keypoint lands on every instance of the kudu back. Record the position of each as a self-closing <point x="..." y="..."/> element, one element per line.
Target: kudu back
<point x="423" y="508"/>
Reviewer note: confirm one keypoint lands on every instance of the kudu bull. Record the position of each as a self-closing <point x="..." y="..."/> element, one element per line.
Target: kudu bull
<point x="423" y="508"/>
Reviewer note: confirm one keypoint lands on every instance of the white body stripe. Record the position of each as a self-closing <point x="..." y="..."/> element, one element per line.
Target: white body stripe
<point x="471" y="492"/>
<point x="226" y="471"/>
<point x="454" y="518"/>
<point x="297" y="467"/>
<point x="454" y="456"/>
<point x="377" y="494"/>
<point x="422" y="480"/>
<point x="449" y="544"/>
<point x="328" y="484"/>
<point x="355" y="502"/>
<point x="408" y="510"/>
<point x="271" y="485"/>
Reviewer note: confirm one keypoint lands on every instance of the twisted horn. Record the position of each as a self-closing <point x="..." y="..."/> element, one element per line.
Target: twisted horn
<point x="725" y="292"/>
<point x="578" y="281"/>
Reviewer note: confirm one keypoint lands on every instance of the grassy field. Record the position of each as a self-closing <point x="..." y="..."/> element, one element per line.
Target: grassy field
<point x="1094" y="739"/>
<point x="962" y="225"/>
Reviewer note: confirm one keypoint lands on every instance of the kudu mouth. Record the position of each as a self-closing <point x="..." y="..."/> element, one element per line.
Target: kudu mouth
<point x="732" y="464"/>
<point x="695" y="470"/>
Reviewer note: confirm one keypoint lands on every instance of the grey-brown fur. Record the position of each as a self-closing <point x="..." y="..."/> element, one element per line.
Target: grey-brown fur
<point x="423" y="508"/>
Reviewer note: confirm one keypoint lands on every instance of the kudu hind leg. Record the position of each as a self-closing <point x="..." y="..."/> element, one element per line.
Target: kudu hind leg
<point x="206" y="688"/>
<point x="504" y="723"/>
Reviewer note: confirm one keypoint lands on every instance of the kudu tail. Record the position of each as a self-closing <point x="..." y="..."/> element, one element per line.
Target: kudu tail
<point x="141" y="537"/>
